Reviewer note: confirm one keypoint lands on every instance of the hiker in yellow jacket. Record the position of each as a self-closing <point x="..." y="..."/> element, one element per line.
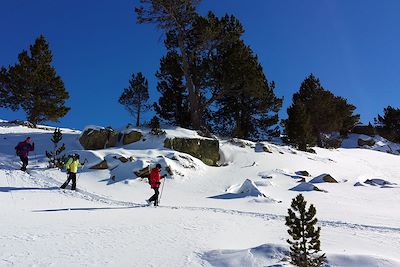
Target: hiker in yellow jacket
<point x="72" y="168"/>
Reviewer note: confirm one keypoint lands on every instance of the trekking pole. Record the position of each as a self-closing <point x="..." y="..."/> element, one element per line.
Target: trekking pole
<point x="77" y="178"/>
<point x="162" y="189"/>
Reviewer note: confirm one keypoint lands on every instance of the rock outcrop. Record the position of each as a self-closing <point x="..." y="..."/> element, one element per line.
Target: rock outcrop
<point x="131" y="137"/>
<point x="207" y="150"/>
<point x="98" y="138"/>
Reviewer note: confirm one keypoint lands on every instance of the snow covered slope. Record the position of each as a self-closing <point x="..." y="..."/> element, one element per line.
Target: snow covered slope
<point x="209" y="216"/>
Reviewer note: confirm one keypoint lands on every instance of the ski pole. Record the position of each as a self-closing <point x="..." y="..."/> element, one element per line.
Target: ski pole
<point x="162" y="189"/>
<point x="77" y="178"/>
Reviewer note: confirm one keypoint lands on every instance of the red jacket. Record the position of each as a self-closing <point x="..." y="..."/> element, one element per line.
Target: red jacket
<point x="154" y="178"/>
<point x="23" y="148"/>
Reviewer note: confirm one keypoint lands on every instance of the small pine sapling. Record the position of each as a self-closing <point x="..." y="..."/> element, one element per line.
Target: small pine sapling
<point x="56" y="160"/>
<point x="305" y="243"/>
<point x="155" y="126"/>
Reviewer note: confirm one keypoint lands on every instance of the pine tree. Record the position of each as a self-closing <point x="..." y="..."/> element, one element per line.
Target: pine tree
<point x="155" y="126"/>
<point x="388" y="126"/>
<point x="33" y="85"/>
<point x="298" y="129"/>
<point x="305" y="243"/>
<point x="247" y="106"/>
<point x="135" y="97"/>
<point x="176" y="17"/>
<point x="327" y="113"/>
<point x="56" y="160"/>
<point x="173" y="104"/>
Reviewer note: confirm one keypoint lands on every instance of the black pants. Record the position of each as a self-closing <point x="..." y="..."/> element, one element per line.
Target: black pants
<point x="155" y="196"/>
<point x="24" y="162"/>
<point x="71" y="176"/>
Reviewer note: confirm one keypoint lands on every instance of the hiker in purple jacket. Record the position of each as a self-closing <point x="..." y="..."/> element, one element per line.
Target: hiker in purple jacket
<point x="22" y="149"/>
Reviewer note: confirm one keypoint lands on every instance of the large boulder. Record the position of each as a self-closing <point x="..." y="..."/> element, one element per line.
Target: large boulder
<point x="368" y="142"/>
<point x="98" y="138"/>
<point x="207" y="150"/>
<point x="131" y="137"/>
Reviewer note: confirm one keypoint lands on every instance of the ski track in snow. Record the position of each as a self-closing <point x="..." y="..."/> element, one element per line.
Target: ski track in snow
<point x="49" y="182"/>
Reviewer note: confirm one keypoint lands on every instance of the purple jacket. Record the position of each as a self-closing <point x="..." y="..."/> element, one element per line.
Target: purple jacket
<point x="23" y="148"/>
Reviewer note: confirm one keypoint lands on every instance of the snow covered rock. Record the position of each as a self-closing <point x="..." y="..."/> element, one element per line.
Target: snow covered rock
<point x="100" y="166"/>
<point x="303" y="173"/>
<point x="368" y="142"/>
<point x="207" y="150"/>
<point x="304" y="187"/>
<point x="144" y="173"/>
<point x="323" y="178"/>
<point x="247" y="188"/>
<point x="378" y="182"/>
<point x="94" y="138"/>
<point x="260" y="147"/>
<point x="131" y="137"/>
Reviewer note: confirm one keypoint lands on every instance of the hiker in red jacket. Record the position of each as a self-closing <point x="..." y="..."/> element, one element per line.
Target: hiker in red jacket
<point x="22" y="149"/>
<point x="154" y="180"/>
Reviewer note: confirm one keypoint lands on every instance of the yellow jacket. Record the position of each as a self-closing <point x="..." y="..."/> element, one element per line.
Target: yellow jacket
<point x="72" y="165"/>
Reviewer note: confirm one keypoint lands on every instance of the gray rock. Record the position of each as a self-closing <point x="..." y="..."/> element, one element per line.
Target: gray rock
<point x="207" y="150"/>
<point x="131" y="137"/>
<point x="93" y="139"/>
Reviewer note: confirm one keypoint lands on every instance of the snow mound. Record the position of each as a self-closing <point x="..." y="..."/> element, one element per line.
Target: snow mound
<point x="305" y="187"/>
<point x="360" y="260"/>
<point x="247" y="188"/>
<point x="264" y="255"/>
<point x="264" y="182"/>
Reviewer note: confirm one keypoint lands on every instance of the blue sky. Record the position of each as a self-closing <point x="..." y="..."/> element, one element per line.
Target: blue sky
<point x="352" y="46"/>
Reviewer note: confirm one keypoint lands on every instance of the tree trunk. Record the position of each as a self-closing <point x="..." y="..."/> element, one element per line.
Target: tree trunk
<point x="138" y="117"/>
<point x="193" y="98"/>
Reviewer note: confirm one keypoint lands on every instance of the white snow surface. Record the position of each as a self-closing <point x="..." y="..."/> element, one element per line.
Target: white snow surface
<point x="105" y="222"/>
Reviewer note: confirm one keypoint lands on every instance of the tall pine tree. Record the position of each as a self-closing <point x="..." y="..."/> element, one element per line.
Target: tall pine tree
<point x="247" y="106"/>
<point x="177" y="17"/>
<point x="304" y="244"/>
<point x="135" y="97"/>
<point x="33" y="85"/>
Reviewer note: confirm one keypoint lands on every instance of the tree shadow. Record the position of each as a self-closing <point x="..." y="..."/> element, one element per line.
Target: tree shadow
<point x="10" y="189"/>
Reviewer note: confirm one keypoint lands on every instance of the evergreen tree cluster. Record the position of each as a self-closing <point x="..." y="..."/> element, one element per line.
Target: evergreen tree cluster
<point x="33" y="85"/>
<point x="304" y="243"/>
<point x="388" y="125"/>
<point x="316" y="111"/>
<point x="210" y="79"/>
